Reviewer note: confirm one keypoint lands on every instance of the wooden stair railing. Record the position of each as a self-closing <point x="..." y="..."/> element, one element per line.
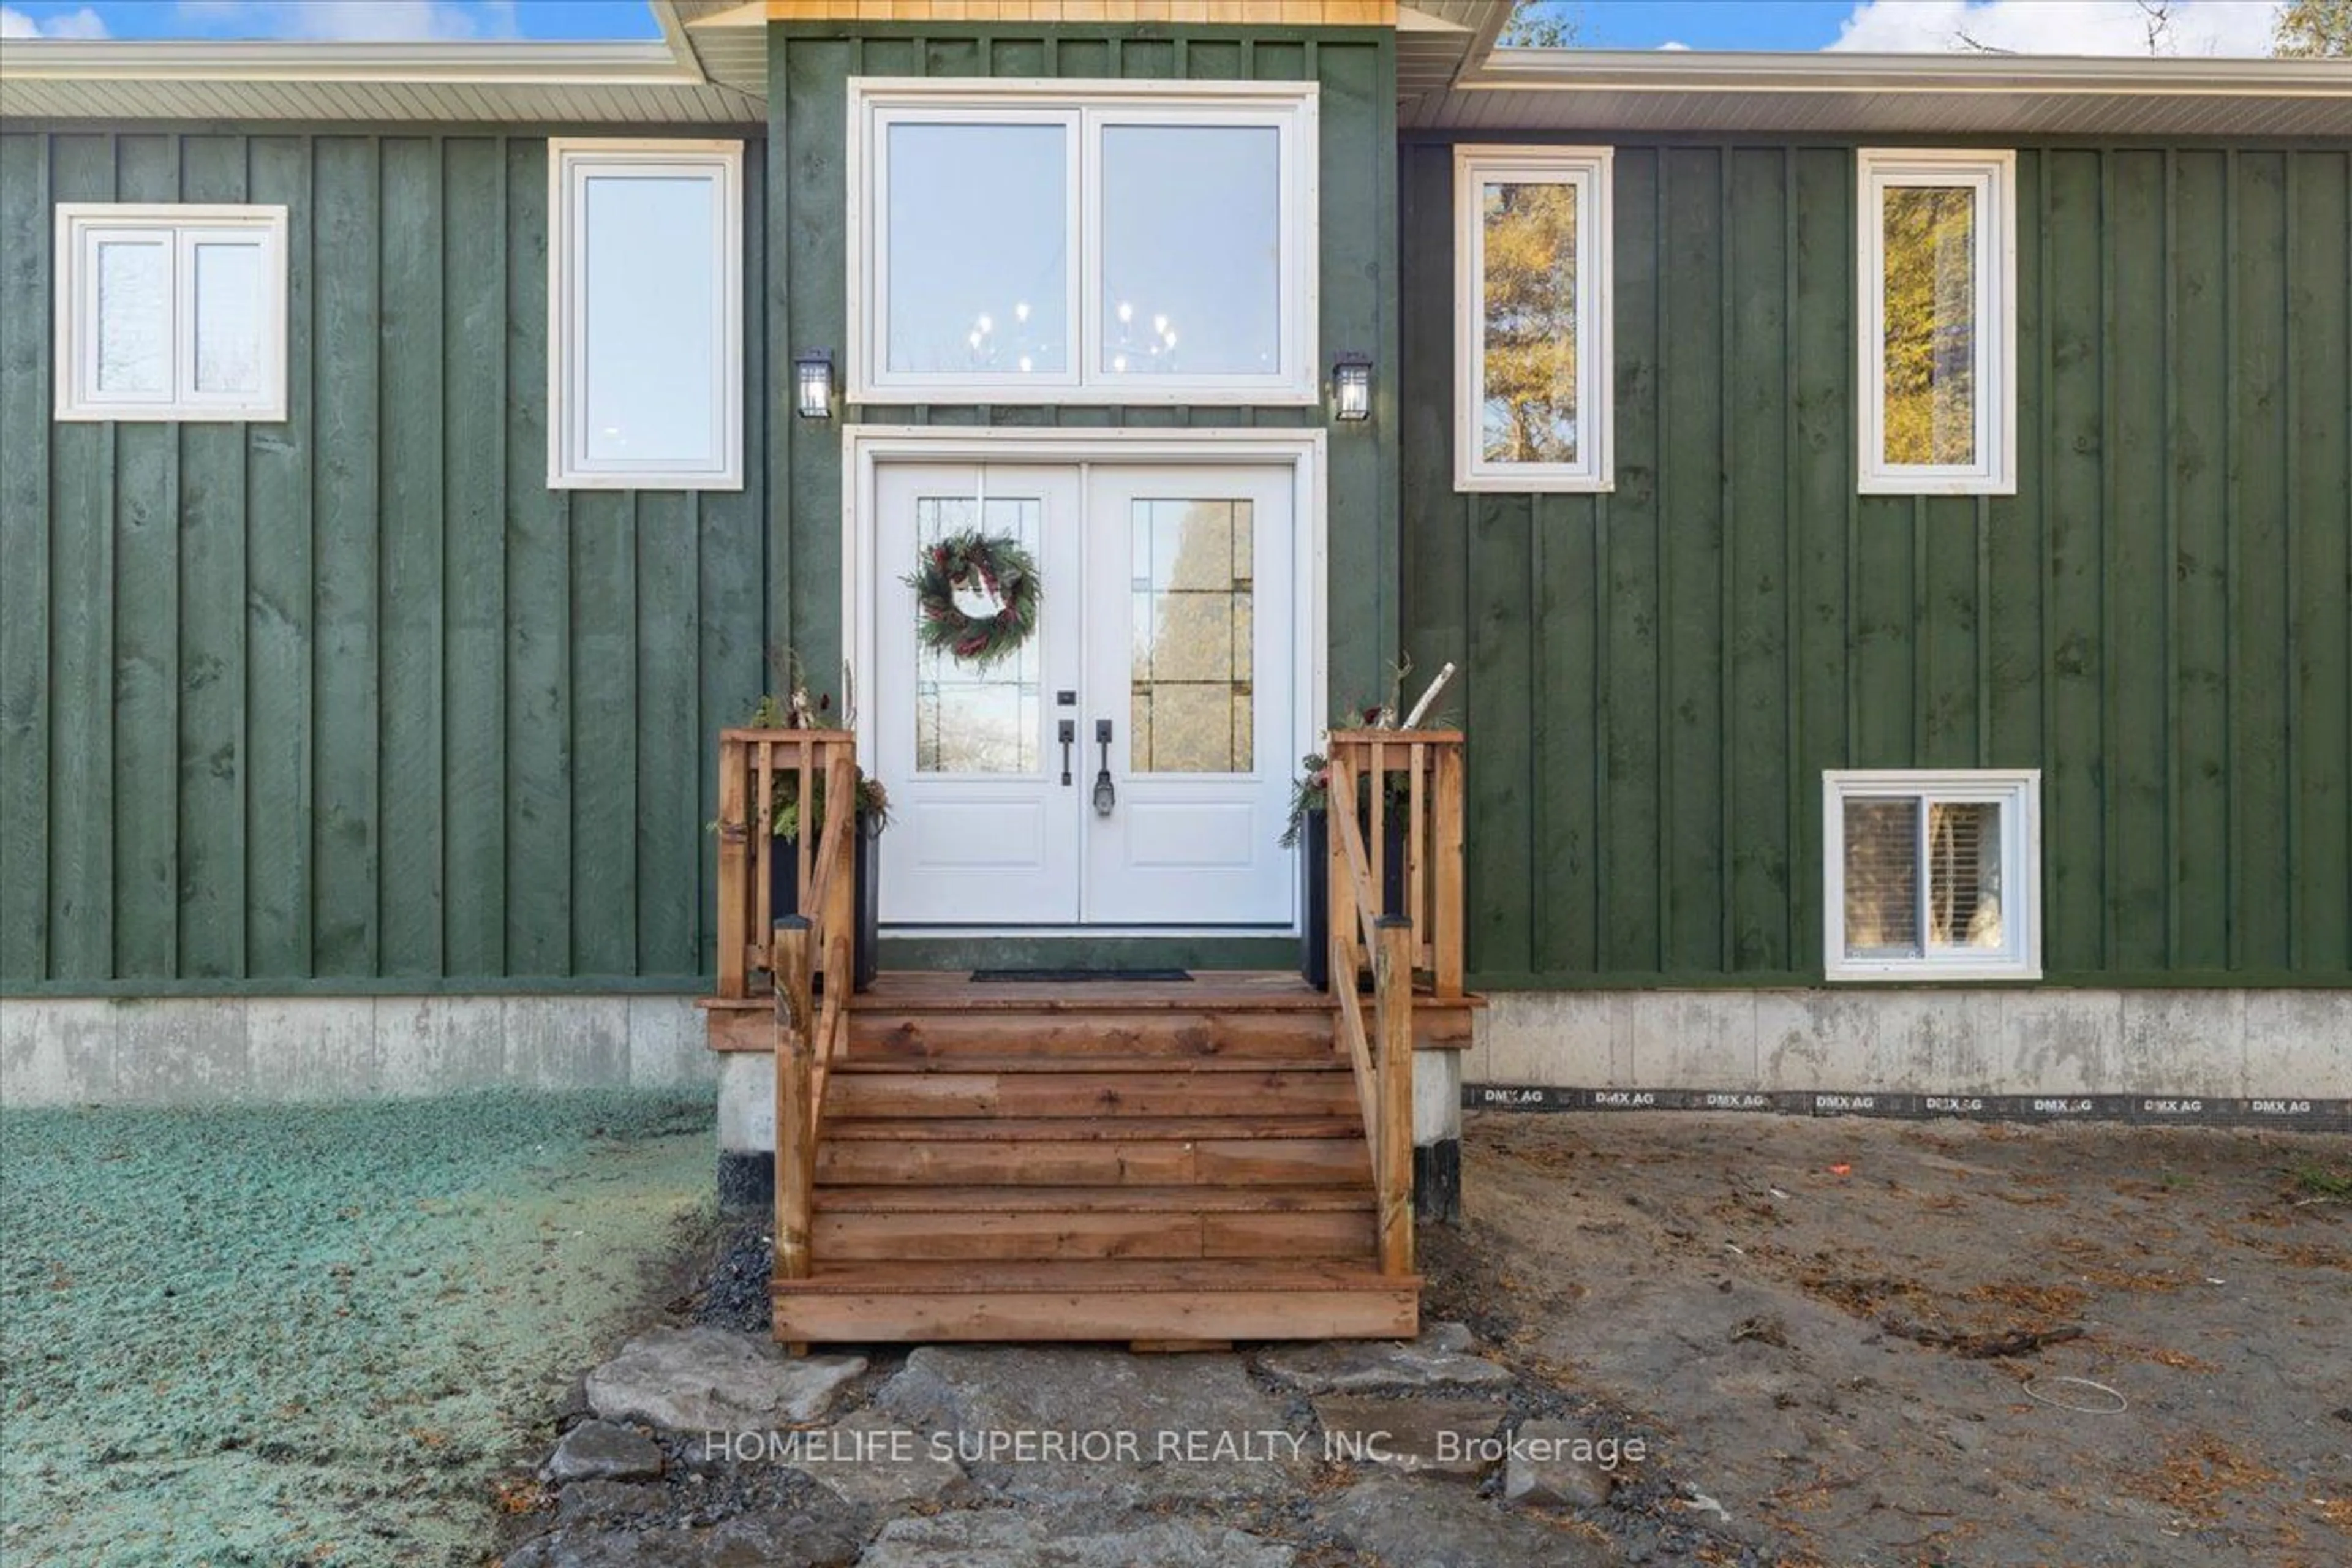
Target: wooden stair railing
<point x="1425" y="932"/>
<point x="800" y="946"/>
<point x="752" y="762"/>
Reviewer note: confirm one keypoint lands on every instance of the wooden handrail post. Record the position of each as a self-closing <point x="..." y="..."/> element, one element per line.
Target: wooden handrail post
<point x="1393" y="997"/>
<point x="796" y="1107"/>
<point x="1339" y="901"/>
<point x="1447" y="934"/>
<point x="735" y="865"/>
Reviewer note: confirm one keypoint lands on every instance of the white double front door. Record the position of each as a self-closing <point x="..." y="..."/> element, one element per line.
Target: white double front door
<point x="1130" y="765"/>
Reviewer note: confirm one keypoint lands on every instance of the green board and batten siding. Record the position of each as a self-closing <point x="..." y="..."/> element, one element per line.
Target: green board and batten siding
<point x="2160" y="619"/>
<point x="809" y="66"/>
<point x="355" y="703"/>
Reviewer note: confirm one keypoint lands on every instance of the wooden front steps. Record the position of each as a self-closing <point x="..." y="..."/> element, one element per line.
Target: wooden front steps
<point x="1180" y="1161"/>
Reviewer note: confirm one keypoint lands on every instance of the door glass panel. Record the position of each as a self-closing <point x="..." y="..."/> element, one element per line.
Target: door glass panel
<point x="977" y="250"/>
<point x="1931" y="326"/>
<point x="969" y="719"/>
<point x="1192" y="706"/>
<point x="1192" y="250"/>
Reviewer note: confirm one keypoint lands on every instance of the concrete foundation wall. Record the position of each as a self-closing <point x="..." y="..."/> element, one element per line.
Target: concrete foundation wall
<point x="2218" y="1043"/>
<point x="180" y="1050"/>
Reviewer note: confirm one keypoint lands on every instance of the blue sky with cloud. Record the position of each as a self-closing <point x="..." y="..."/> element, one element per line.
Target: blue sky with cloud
<point x="2036" y="26"/>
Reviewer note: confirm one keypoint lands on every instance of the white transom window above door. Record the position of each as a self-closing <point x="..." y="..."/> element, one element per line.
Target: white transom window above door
<point x="1127" y="764"/>
<point x="1082" y="242"/>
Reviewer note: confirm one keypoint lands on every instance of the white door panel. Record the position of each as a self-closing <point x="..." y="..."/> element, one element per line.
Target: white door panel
<point x="982" y="832"/>
<point x="1190" y="655"/>
<point x="1168" y="612"/>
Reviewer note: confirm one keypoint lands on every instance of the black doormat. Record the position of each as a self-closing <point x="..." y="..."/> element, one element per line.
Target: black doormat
<point x="1069" y="976"/>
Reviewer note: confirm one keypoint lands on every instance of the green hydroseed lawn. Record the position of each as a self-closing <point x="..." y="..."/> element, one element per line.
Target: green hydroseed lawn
<point x="279" y="1335"/>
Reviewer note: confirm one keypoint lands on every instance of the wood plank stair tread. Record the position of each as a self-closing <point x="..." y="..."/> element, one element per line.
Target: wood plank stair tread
<point x="957" y="1277"/>
<point x="1323" y="1059"/>
<point x="1269" y="1199"/>
<point x="1088" y="1128"/>
<point x="1207" y="990"/>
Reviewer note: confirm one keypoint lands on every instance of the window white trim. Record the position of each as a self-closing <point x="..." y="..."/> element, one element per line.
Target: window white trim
<point x="1993" y="175"/>
<point x="1086" y="107"/>
<point x="1592" y="171"/>
<point x="570" y="162"/>
<point x="176" y="228"/>
<point x="2018" y="792"/>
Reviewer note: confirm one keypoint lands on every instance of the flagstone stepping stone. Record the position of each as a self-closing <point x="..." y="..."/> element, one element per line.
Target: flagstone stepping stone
<point x="1436" y="1436"/>
<point x="713" y="1379"/>
<point x="599" y="1450"/>
<point x="1436" y="1360"/>
<point x="1545" y="1468"/>
<point x="884" y="1464"/>
<point x="774" y="1539"/>
<point x="605" y="1499"/>
<point x="1431" y="1524"/>
<point x="1100" y="1426"/>
<point x="1001" y="1540"/>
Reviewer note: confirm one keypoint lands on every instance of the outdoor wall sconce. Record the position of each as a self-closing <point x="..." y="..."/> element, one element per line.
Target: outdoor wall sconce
<point x="1351" y="387"/>
<point x="813" y="383"/>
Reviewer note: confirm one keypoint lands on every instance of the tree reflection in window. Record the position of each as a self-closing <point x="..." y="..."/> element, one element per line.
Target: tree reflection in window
<point x="1930" y="349"/>
<point x="1529" y="283"/>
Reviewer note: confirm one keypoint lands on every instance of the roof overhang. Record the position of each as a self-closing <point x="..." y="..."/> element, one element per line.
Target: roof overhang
<point x="663" y="80"/>
<point x="1604" y="91"/>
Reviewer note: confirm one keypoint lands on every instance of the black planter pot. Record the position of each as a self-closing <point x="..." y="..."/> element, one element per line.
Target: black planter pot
<point x="865" y="888"/>
<point x="1315" y="888"/>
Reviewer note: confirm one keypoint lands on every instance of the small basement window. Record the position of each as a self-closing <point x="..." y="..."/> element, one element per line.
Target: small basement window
<point x="1532" y="247"/>
<point x="1932" y="876"/>
<point x="645" y="365"/>
<point x="171" y="312"/>
<point x="1937" y="282"/>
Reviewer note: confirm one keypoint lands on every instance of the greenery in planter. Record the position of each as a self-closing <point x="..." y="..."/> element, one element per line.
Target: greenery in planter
<point x="797" y="709"/>
<point x="1309" y="791"/>
<point x="1312" y="790"/>
<point x="785" y="805"/>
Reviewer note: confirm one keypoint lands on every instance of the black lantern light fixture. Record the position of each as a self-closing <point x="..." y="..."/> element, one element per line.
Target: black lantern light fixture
<point x="1351" y="387"/>
<point x="813" y="383"/>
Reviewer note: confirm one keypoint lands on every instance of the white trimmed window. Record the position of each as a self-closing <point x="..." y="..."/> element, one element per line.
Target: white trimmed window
<point x="1932" y="876"/>
<point x="174" y="312"/>
<point x="1082" y="242"/>
<point x="1532" y="249"/>
<point x="1937" y="278"/>
<point x="644" y="303"/>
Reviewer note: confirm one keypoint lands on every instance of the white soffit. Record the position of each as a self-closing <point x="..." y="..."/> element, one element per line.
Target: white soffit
<point x="1437" y="38"/>
<point x="1588" y="90"/>
<point x="618" y="83"/>
<point x="728" y="37"/>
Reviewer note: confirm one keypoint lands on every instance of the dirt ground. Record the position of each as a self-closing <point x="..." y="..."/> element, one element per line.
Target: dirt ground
<point x="1944" y="1343"/>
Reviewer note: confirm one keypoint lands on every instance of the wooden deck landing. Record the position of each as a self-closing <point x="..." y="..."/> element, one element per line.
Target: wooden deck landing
<point x="1221" y="1009"/>
<point x="1137" y="1161"/>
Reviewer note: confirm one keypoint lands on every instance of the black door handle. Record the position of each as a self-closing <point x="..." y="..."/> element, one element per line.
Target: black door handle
<point x="1069" y="738"/>
<point x="1106" y="793"/>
